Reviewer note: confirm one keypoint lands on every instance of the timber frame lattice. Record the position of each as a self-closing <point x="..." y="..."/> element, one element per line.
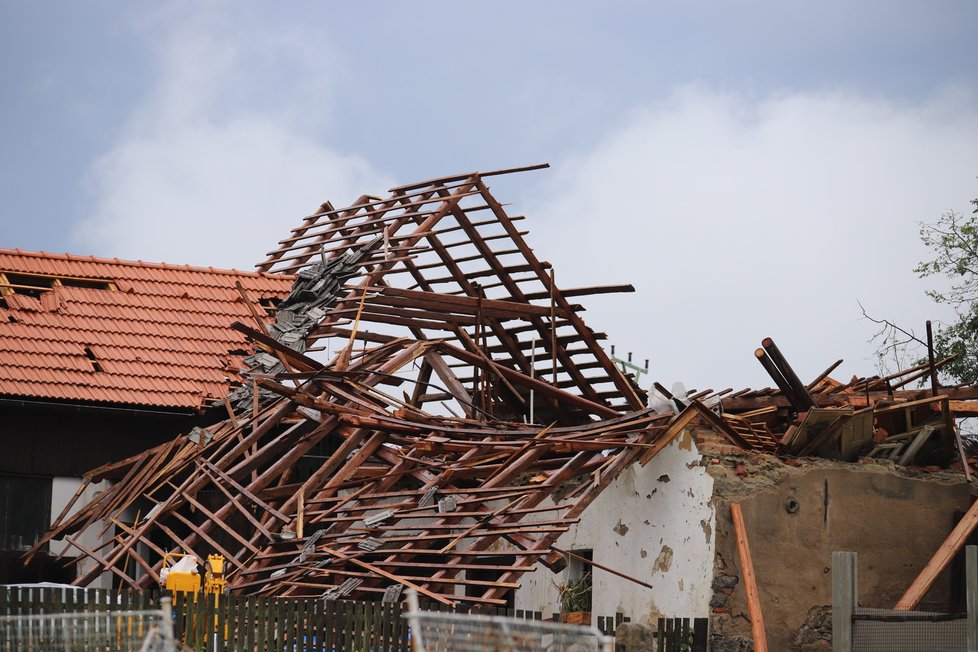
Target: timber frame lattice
<point x="427" y="409"/>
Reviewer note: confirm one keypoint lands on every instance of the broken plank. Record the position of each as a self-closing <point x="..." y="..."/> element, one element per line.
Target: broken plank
<point x="750" y="579"/>
<point x="945" y="553"/>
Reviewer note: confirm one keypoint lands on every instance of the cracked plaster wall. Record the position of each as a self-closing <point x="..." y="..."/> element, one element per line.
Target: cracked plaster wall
<point x="894" y="518"/>
<point x="654" y="523"/>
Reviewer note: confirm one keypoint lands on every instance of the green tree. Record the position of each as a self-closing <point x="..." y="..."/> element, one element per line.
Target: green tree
<point x="953" y="240"/>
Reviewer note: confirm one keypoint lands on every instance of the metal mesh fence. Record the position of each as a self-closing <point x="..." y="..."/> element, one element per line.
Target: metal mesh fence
<point x="443" y="631"/>
<point x="439" y="631"/>
<point x="115" y="631"/>
<point x="879" y="630"/>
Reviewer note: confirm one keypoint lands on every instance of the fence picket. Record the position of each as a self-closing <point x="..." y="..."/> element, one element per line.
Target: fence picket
<point x="228" y="634"/>
<point x="329" y="625"/>
<point x="274" y="621"/>
<point x="700" y="632"/>
<point x="346" y="620"/>
<point x="220" y="623"/>
<point x="387" y="627"/>
<point x="298" y="626"/>
<point x="261" y="617"/>
<point x="285" y="620"/>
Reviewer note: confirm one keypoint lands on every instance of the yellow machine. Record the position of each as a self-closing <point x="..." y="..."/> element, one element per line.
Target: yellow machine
<point x="182" y="575"/>
<point x="214" y="582"/>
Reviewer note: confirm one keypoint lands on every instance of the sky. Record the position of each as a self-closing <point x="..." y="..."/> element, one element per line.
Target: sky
<point x="754" y="169"/>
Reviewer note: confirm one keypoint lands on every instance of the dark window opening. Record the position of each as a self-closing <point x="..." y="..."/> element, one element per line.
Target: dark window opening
<point x="25" y="511"/>
<point x="269" y="304"/>
<point x="576" y="592"/>
<point x="36" y="284"/>
<point x="495" y="568"/>
<point x="91" y="356"/>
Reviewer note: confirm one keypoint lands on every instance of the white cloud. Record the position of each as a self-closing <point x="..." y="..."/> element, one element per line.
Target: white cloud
<point x="225" y="154"/>
<point x="740" y="218"/>
<point x="735" y="217"/>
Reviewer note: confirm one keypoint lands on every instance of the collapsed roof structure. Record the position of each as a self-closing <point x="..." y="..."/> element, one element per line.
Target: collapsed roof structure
<point x="865" y="417"/>
<point x="463" y="418"/>
<point x="433" y="293"/>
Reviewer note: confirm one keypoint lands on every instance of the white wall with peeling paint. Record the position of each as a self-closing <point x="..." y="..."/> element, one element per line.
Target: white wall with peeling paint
<point x="654" y="523"/>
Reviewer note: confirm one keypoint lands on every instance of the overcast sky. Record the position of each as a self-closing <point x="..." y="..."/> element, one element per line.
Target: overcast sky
<point x="753" y="168"/>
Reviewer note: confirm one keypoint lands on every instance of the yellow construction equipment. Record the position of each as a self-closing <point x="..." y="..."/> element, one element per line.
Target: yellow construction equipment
<point x="214" y="582"/>
<point x="183" y="575"/>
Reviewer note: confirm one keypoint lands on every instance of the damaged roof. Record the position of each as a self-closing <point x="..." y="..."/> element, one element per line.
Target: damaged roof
<point x="423" y="389"/>
<point x="868" y="417"/>
<point x="86" y="329"/>
<point x="429" y="401"/>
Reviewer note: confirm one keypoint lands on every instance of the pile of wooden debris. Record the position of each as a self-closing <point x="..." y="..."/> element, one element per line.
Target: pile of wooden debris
<point x="866" y="417"/>
<point x="464" y="393"/>
<point x="427" y="409"/>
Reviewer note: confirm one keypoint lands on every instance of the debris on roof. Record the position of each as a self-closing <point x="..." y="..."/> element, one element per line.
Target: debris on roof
<point x="873" y="417"/>
<point x="79" y="328"/>
<point x="424" y="388"/>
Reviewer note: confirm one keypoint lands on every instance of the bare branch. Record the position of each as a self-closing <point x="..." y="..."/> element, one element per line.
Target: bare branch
<point x="887" y="324"/>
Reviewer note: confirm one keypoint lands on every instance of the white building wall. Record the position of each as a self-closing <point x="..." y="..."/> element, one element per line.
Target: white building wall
<point x="655" y="523"/>
<point x="62" y="491"/>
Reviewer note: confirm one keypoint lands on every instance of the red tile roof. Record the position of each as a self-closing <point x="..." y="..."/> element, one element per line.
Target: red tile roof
<point x="160" y="339"/>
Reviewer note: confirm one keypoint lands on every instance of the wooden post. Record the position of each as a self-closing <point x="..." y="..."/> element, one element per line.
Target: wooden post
<point x="971" y="572"/>
<point x="778" y="379"/>
<point x="700" y="630"/>
<point x="930" y="360"/>
<point x="844" y="599"/>
<point x="797" y="387"/>
<point x="417" y="640"/>
<point x="299" y="516"/>
<point x="166" y="620"/>
<point x="750" y="580"/>
<point x="945" y="553"/>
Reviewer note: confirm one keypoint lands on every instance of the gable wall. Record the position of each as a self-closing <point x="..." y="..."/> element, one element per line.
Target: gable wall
<point x="654" y="523"/>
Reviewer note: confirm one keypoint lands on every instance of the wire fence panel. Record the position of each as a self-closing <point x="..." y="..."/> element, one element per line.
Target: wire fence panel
<point x="442" y="631"/>
<point x="445" y="631"/>
<point x="118" y="631"/>
<point x="885" y="630"/>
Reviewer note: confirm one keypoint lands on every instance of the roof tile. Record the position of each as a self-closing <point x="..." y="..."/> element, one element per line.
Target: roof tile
<point x="160" y="340"/>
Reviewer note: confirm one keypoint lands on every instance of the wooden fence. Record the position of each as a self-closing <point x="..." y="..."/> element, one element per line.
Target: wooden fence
<point x="681" y="635"/>
<point x="234" y="623"/>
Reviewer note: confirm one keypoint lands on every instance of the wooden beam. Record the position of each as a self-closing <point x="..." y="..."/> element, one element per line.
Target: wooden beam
<point x="945" y="553"/>
<point x="797" y="387"/>
<point x="590" y="562"/>
<point x="533" y="383"/>
<point x="749" y="579"/>
<point x="390" y="576"/>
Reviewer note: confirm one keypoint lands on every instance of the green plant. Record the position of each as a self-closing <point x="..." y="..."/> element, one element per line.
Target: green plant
<point x="575" y="595"/>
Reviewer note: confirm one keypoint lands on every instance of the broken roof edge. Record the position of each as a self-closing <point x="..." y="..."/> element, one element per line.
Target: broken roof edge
<point x="468" y="175"/>
<point x="175" y="411"/>
<point x="137" y="263"/>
